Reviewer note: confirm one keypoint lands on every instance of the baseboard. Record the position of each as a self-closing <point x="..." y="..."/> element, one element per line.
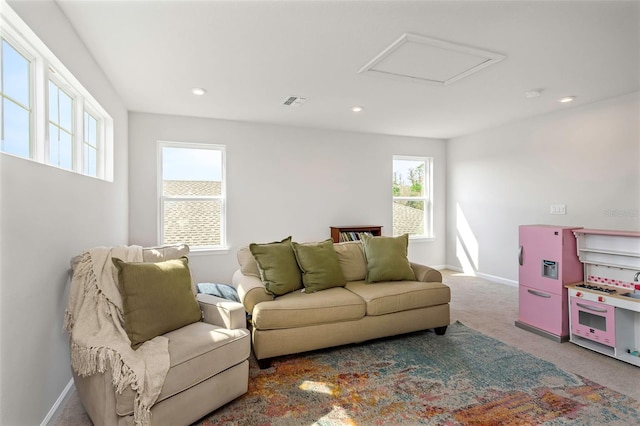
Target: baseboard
<point x="487" y="277"/>
<point x="59" y="405"/>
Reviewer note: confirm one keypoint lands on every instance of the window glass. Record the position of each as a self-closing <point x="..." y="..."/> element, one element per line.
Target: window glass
<point x="15" y="129"/>
<point x="192" y="195"/>
<point x="408" y="178"/>
<point x="15" y="120"/>
<point x="15" y="74"/>
<point x="195" y="222"/>
<point x="408" y="217"/>
<point x="90" y="161"/>
<point x="65" y="111"/>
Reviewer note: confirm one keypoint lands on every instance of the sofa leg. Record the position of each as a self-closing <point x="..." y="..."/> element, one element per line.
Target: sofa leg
<point x="264" y="363"/>
<point x="440" y="330"/>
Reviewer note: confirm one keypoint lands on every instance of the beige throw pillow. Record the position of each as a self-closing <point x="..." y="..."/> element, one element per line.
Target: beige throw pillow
<point x="248" y="264"/>
<point x="351" y="260"/>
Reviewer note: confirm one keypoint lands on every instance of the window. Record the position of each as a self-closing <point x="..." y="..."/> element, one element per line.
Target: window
<point x="15" y="87"/>
<point x="90" y="145"/>
<point x="192" y="194"/>
<point x="412" y="205"/>
<point x="60" y="127"/>
<point x="46" y="115"/>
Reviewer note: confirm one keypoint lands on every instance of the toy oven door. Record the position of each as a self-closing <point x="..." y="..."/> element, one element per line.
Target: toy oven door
<point x="594" y="321"/>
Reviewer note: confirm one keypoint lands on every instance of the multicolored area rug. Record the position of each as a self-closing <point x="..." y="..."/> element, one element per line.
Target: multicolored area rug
<point x="462" y="378"/>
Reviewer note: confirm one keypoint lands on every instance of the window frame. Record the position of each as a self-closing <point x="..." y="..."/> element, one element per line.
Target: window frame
<point x="222" y="247"/>
<point x="426" y="198"/>
<point x="46" y="67"/>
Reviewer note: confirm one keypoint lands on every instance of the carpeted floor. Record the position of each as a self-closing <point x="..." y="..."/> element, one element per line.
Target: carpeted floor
<point x="334" y="397"/>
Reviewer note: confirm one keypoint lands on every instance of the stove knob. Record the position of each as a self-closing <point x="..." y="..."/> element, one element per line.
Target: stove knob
<point x="578" y="294"/>
<point x="600" y="298"/>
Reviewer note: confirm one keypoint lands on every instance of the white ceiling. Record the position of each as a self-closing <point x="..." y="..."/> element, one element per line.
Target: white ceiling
<point x="251" y="56"/>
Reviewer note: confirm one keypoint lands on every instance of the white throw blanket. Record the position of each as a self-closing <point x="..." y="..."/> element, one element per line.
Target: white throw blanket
<point x="94" y="320"/>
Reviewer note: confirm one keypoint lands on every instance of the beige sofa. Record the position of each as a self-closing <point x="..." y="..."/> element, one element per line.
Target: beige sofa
<point x="299" y="321"/>
<point x="208" y="365"/>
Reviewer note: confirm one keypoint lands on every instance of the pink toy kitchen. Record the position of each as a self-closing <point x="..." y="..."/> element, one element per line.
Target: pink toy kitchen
<point x="582" y="285"/>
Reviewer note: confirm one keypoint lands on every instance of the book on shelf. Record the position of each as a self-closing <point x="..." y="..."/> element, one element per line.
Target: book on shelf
<point x="352" y="236"/>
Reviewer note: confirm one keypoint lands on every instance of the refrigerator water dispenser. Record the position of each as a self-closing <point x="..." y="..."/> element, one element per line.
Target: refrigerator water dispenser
<point x="550" y="269"/>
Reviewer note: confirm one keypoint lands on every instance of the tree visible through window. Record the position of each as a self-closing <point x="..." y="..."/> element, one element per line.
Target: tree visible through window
<point x="411" y="196"/>
<point x="192" y="194"/>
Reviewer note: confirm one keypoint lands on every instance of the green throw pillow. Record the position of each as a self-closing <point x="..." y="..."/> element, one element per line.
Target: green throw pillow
<point x="278" y="267"/>
<point x="319" y="265"/>
<point x="157" y="298"/>
<point x="387" y="258"/>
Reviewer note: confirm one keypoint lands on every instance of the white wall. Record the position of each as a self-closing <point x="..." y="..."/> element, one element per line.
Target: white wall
<point x="586" y="157"/>
<point x="282" y="181"/>
<point x="49" y="215"/>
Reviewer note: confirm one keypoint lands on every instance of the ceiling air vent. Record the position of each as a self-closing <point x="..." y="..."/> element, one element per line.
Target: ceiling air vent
<point x="294" y="101"/>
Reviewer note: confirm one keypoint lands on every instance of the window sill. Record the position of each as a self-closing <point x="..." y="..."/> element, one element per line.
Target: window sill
<point x="421" y="239"/>
<point x="208" y="250"/>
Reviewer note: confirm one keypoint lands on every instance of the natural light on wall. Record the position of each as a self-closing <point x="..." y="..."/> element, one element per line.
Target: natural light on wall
<point x="466" y="244"/>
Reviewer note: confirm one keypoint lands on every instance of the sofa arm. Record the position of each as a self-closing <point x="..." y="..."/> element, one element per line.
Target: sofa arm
<point x="426" y="273"/>
<point x="250" y="289"/>
<point x="222" y="312"/>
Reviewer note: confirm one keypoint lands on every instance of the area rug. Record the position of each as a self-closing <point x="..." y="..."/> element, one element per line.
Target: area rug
<point x="461" y="378"/>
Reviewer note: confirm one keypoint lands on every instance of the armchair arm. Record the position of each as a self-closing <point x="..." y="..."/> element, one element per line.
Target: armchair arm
<point x="426" y="273"/>
<point x="250" y="289"/>
<point x="222" y="312"/>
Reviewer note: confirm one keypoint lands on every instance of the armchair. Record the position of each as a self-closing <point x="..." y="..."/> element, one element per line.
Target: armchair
<point x="207" y="363"/>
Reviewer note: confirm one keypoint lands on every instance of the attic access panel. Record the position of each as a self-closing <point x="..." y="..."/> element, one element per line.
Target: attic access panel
<point x="428" y="60"/>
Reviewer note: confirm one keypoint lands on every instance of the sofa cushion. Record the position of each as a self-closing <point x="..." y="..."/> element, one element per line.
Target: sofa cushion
<point x="299" y="309"/>
<point x="198" y="351"/>
<point x="278" y="266"/>
<point x="156" y="298"/>
<point x="319" y="265"/>
<point x="248" y="264"/>
<point x="351" y="260"/>
<point x="388" y="297"/>
<point x="387" y="258"/>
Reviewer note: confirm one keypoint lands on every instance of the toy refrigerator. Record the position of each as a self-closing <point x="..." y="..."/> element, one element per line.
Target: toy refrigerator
<point x="548" y="260"/>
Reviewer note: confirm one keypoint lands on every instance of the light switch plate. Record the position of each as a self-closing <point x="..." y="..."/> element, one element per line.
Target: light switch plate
<point x="558" y="209"/>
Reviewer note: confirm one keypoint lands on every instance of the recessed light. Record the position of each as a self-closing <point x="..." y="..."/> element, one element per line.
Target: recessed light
<point x="357" y="108"/>
<point x="567" y="99"/>
<point x="198" y="91"/>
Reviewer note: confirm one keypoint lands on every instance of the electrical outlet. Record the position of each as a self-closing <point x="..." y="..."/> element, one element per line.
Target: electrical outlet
<point x="558" y="209"/>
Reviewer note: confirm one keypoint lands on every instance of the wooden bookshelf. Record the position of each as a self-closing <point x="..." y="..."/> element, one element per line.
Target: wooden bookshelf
<point x="341" y="234"/>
